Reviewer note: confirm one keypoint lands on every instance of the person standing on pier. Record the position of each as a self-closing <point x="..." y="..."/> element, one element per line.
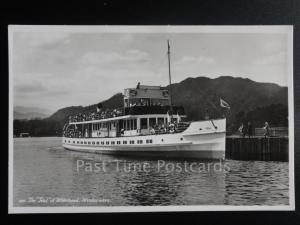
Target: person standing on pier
<point x="267" y="129"/>
<point x="249" y="130"/>
<point x="242" y="130"/>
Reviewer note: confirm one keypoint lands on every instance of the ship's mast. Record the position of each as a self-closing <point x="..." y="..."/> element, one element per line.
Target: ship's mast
<point x="170" y="82"/>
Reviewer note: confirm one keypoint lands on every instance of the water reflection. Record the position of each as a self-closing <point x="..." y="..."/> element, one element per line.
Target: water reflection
<point x="43" y="168"/>
<point x="259" y="184"/>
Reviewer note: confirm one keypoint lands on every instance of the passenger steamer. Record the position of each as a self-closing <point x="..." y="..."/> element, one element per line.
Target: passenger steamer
<point x="147" y="125"/>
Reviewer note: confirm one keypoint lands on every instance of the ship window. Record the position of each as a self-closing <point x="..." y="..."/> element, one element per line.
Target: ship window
<point x="131" y="124"/>
<point x="73" y="142"/>
<point x="81" y="142"/>
<point x="152" y="122"/>
<point x="128" y="125"/>
<point x="89" y="142"/>
<point x="68" y="141"/>
<point x="181" y="139"/>
<point x="150" y="141"/>
<point x="77" y="142"/>
<point x="85" y="142"/>
<point x="112" y="142"/>
<point x="125" y="142"/>
<point x="160" y="121"/>
<point x="93" y="143"/>
<point x="107" y="142"/>
<point x="141" y="141"/>
<point x="131" y="142"/>
<point x="134" y="124"/>
<point x="143" y="123"/>
<point x="102" y="142"/>
<point x="97" y="143"/>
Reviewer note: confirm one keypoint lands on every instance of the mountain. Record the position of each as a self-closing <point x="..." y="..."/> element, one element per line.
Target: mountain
<point x="197" y="95"/>
<point x="21" y="112"/>
<point x="201" y="95"/>
<point x="115" y="101"/>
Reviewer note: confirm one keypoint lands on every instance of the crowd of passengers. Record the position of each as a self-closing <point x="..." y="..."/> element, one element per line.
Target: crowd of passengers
<point x="72" y="133"/>
<point x="171" y="127"/>
<point x="101" y="114"/>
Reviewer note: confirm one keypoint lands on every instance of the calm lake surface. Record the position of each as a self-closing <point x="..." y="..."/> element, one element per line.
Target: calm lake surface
<point x="45" y="174"/>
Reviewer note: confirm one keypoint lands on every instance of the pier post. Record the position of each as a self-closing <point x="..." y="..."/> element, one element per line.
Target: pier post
<point x="257" y="148"/>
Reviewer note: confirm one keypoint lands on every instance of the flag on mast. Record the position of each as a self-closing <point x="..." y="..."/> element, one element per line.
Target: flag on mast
<point x="224" y="104"/>
<point x="99" y="106"/>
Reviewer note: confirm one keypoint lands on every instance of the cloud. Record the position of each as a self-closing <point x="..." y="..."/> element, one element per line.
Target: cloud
<point x="130" y="56"/>
<point x="126" y="39"/>
<point x="30" y="88"/>
<point x="42" y="39"/>
<point x="274" y="59"/>
<point x="192" y="59"/>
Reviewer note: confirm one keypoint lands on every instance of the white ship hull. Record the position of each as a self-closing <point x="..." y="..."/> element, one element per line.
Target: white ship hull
<point x="201" y="140"/>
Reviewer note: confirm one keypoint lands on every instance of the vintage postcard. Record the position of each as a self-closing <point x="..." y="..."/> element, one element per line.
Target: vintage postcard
<point x="150" y="118"/>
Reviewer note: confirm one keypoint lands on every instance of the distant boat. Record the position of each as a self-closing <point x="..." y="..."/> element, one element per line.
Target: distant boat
<point x="147" y="125"/>
<point x="24" y="135"/>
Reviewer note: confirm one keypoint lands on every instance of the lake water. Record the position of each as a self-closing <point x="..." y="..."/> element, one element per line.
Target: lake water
<point x="45" y="174"/>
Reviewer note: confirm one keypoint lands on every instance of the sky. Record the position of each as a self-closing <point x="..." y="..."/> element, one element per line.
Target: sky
<point x="52" y="70"/>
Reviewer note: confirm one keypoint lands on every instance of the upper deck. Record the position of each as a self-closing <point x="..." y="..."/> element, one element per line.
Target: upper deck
<point x="142" y="100"/>
<point x="144" y="95"/>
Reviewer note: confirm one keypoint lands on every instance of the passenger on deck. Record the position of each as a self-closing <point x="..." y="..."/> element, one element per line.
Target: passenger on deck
<point x="163" y="129"/>
<point x="172" y="128"/>
<point x="152" y="130"/>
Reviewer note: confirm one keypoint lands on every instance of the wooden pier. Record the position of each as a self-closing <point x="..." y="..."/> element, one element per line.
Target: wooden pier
<point x="257" y="148"/>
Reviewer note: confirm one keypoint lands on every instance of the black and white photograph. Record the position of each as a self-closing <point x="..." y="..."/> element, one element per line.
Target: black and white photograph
<point x="150" y="118"/>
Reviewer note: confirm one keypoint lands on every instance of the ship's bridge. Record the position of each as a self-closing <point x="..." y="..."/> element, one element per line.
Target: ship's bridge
<point x="145" y="95"/>
<point x="145" y="99"/>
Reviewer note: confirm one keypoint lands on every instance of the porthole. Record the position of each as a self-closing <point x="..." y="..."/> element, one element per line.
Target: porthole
<point x="162" y="140"/>
<point x="181" y="139"/>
